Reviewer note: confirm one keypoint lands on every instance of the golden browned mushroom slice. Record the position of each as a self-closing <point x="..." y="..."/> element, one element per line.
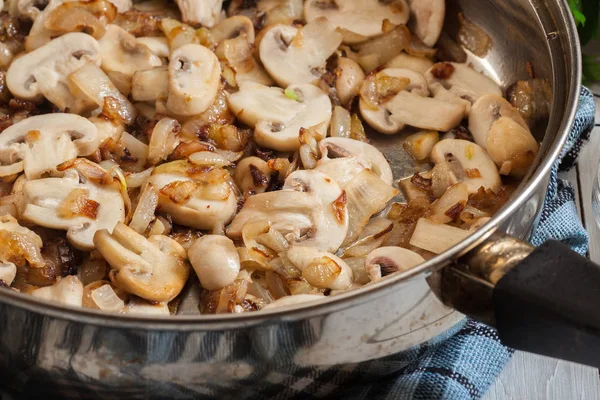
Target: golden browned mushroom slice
<point x="38" y="144"/>
<point x="298" y="55"/>
<point x="215" y="260"/>
<point x="387" y="260"/>
<point x="499" y="128"/>
<point x="68" y="291"/>
<point x="206" y="12"/>
<point x="293" y="300"/>
<point x="194" y="79"/>
<point x="380" y="88"/>
<point x="278" y="115"/>
<point x="467" y="162"/>
<point x="154" y="268"/>
<point x="319" y="268"/>
<point x="460" y="80"/>
<point x="427" y="19"/>
<point x="121" y="52"/>
<point x="195" y="196"/>
<point x="44" y="71"/>
<point x="359" y="19"/>
<point x="368" y="156"/>
<point x="74" y="203"/>
<point x="310" y="210"/>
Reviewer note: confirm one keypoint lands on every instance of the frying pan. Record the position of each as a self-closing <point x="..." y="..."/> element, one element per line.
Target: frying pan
<point x="541" y="300"/>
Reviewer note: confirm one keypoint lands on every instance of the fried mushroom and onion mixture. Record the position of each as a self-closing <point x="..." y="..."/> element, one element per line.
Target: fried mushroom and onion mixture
<point x="151" y="148"/>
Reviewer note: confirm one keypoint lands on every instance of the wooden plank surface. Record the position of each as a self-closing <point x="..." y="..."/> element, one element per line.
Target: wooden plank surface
<point x="532" y="377"/>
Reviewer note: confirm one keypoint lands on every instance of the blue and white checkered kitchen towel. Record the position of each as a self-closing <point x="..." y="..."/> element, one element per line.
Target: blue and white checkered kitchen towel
<point x="462" y="363"/>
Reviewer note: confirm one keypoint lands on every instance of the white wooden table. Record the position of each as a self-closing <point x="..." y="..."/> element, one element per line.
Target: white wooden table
<point x="531" y="377"/>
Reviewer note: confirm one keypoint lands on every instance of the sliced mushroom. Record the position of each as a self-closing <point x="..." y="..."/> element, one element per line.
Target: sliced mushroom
<point x="8" y="271"/>
<point x="252" y="175"/>
<point x="427" y="19"/>
<point x="68" y="291"/>
<point x="361" y="18"/>
<point x="195" y="196"/>
<point x="388" y="260"/>
<point x="215" y="260"/>
<point x="406" y="61"/>
<point x="460" y="80"/>
<point x="44" y="71"/>
<point x="424" y="112"/>
<point x="155" y="269"/>
<point x="64" y="16"/>
<point x="368" y="156"/>
<point x="499" y="128"/>
<point x="80" y="208"/>
<point x="91" y="84"/>
<point x="239" y="54"/>
<point x="232" y="27"/>
<point x="310" y="210"/>
<point x="278" y="115"/>
<point x="140" y="306"/>
<point x="319" y="268"/>
<point x="380" y="88"/>
<point x="122" y="52"/>
<point x="38" y="144"/>
<point x="293" y="300"/>
<point x="350" y="77"/>
<point x="24" y="9"/>
<point x="194" y="78"/>
<point x="150" y="85"/>
<point x="467" y="162"/>
<point x="298" y="55"/>
<point x="157" y="45"/>
<point x="206" y="12"/>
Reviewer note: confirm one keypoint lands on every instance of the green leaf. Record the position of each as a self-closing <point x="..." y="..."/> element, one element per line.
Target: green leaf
<point x="591" y="10"/>
<point x="591" y="68"/>
<point x="577" y="14"/>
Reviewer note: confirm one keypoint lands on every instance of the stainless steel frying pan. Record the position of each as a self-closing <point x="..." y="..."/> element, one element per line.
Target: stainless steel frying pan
<point x="78" y="353"/>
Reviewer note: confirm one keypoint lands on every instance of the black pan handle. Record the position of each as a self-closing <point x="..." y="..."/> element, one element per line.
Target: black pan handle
<point x="543" y="300"/>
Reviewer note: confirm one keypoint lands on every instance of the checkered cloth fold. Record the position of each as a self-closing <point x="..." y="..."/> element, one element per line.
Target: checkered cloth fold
<point x="463" y="362"/>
